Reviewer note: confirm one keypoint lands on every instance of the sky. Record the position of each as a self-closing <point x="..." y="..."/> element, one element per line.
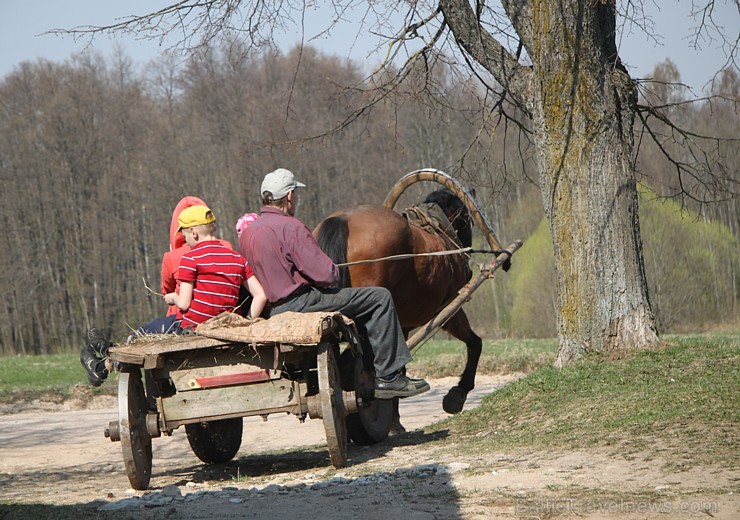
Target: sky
<point x="24" y="22"/>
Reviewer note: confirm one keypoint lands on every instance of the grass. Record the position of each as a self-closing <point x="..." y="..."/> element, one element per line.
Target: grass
<point x="682" y="398"/>
<point x="32" y="377"/>
<point x="444" y="357"/>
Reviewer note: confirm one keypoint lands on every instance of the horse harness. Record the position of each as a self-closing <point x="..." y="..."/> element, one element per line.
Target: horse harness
<point x="431" y="218"/>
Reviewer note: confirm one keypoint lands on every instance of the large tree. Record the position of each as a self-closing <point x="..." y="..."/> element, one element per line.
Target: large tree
<point x="582" y="105"/>
<point x="564" y="73"/>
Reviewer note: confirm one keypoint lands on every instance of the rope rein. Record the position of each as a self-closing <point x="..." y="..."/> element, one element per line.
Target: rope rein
<point x="437" y="229"/>
<point x="413" y="255"/>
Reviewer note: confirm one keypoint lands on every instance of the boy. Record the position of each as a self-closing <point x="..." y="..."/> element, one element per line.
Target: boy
<point x="210" y="275"/>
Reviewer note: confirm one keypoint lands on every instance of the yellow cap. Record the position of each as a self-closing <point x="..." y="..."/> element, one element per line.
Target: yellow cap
<point x="195" y="216"/>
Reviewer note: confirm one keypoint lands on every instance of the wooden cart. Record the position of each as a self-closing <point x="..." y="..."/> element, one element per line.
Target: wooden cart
<point x="305" y="364"/>
<point x="232" y="368"/>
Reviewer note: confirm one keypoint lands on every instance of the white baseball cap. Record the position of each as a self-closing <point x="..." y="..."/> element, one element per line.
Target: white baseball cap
<point x="280" y="183"/>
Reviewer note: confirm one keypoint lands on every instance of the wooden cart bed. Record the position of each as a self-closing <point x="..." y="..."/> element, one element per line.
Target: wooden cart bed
<point x="285" y="331"/>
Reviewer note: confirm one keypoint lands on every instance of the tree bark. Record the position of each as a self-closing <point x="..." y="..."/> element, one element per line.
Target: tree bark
<point x="582" y="103"/>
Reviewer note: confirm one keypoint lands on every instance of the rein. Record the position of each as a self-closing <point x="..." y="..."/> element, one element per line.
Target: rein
<point x="413" y="255"/>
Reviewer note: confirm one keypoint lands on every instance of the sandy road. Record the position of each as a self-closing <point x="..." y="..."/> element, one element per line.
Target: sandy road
<point x="36" y="446"/>
<point x="61" y="459"/>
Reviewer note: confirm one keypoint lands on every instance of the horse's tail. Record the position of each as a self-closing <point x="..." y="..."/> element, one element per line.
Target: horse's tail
<point x="332" y="238"/>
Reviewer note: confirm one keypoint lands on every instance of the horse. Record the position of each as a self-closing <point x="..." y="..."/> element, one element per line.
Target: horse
<point x="420" y="285"/>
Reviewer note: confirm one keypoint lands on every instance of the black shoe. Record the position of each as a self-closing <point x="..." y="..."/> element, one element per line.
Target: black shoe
<point x="99" y="342"/>
<point x="399" y="385"/>
<point x="94" y="364"/>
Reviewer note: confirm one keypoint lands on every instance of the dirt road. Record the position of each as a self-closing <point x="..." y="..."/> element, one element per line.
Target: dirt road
<point x="67" y="439"/>
<point x="282" y="472"/>
<point x="38" y="447"/>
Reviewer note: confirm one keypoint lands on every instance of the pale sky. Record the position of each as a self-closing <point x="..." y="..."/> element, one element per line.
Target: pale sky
<point x="23" y="22"/>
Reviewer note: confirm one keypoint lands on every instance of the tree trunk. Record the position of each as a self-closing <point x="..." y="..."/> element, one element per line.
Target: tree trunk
<point x="582" y="103"/>
<point x="583" y="120"/>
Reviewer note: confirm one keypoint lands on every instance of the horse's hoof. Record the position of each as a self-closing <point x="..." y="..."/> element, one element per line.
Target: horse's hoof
<point x="454" y="401"/>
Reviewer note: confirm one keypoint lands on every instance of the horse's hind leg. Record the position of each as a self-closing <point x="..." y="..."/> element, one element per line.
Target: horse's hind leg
<point x="459" y="327"/>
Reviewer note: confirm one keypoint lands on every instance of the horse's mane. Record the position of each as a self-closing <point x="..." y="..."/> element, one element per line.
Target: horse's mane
<point x="456" y="211"/>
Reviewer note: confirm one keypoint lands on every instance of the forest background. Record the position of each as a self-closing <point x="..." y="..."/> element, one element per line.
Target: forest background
<point x="95" y="153"/>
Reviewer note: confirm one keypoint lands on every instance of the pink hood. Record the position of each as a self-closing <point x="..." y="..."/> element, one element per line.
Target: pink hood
<point x="176" y="239"/>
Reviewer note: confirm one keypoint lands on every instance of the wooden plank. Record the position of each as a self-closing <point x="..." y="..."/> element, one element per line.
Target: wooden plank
<point x="240" y="400"/>
<point x="140" y="350"/>
<point x="288" y="332"/>
<point x="230" y="379"/>
<point x="186" y="380"/>
<point x="151" y="353"/>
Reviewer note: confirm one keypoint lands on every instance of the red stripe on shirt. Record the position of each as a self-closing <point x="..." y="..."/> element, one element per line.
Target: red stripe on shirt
<point x="216" y="272"/>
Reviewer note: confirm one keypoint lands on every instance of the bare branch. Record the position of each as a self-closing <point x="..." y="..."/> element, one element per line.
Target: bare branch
<point x="194" y="24"/>
<point x="710" y="31"/>
<point x="702" y="166"/>
<point x="487" y="51"/>
<point x="480" y="34"/>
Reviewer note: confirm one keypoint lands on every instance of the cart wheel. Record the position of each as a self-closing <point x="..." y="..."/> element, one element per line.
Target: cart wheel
<point x="136" y="442"/>
<point x="215" y="442"/>
<point x="372" y="422"/>
<point x="332" y="404"/>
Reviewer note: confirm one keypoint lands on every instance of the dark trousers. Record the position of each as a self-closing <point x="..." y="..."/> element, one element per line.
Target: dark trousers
<point x="372" y="310"/>
<point x="164" y="325"/>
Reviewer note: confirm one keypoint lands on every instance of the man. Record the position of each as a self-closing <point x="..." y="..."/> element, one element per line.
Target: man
<point x="297" y="276"/>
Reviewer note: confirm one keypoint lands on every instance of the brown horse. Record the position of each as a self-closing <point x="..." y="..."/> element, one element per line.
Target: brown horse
<point x="421" y="285"/>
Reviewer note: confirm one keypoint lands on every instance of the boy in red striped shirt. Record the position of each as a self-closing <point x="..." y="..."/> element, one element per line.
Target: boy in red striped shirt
<point x="210" y="276"/>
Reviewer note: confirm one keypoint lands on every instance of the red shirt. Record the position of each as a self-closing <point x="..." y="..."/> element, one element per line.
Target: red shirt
<point x="284" y="255"/>
<point x="170" y="266"/>
<point x="216" y="272"/>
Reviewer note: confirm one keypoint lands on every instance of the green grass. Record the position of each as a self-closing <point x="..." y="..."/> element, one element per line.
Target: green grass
<point x="30" y="377"/>
<point x="682" y="398"/>
<point x="446" y="357"/>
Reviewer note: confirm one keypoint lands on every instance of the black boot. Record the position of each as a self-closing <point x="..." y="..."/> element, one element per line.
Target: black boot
<point x="95" y="365"/>
<point x="93" y="356"/>
<point x="99" y="342"/>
